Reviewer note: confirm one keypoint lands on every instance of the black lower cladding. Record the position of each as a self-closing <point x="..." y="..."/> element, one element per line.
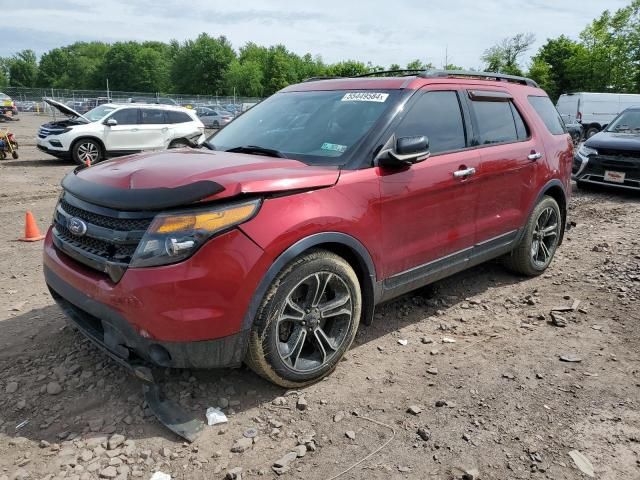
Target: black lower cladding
<point x="110" y="331"/>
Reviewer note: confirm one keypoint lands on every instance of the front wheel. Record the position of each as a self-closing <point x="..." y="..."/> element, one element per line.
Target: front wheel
<point x="307" y="320"/>
<point x="86" y="150"/>
<point x="536" y="249"/>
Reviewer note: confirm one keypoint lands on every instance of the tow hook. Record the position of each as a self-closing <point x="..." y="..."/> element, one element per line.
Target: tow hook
<point x="169" y="413"/>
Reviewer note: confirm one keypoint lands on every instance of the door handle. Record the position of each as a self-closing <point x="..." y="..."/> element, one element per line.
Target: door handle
<point x="165" y="129"/>
<point x="464" y="173"/>
<point x="533" y="156"/>
<point x="134" y="129"/>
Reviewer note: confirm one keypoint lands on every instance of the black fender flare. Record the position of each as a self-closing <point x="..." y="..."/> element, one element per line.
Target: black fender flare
<point x="554" y="182"/>
<point x="370" y="289"/>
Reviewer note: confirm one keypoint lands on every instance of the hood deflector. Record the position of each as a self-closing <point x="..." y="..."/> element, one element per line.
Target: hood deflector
<point x="139" y="198"/>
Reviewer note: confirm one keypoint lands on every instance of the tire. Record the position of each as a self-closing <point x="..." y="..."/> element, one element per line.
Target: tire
<point x="529" y="257"/>
<point x="292" y="343"/>
<point x="590" y="132"/>
<point x="178" y="144"/>
<point x="15" y="155"/>
<point x="84" y="149"/>
<point x="216" y="124"/>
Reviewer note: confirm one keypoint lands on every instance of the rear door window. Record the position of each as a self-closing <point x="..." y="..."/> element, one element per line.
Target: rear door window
<point x="151" y="116"/>
<point x="436" y="115"/>
<point x="548" y="114"/>
<point x="177" y="117"/>
<point x="495" y="122"/>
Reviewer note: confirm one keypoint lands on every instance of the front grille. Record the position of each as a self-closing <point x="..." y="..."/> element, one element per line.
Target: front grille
<point x="111" y="236"/>
<point x="126" y="224"/>
<point x="45" y="132"/>
<point x="109" y="251"/>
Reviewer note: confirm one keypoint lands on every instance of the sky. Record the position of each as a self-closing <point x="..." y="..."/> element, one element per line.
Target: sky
<point x="383" y="32"/>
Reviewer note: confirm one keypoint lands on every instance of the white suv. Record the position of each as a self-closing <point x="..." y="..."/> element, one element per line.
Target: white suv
<point x="111" y="130"/>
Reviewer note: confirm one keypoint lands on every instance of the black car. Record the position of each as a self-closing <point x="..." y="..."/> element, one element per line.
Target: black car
<point x="611" y="157"/>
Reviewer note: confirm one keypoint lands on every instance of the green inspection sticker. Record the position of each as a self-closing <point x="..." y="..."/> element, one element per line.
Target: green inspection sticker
<point x="334" y="147"/>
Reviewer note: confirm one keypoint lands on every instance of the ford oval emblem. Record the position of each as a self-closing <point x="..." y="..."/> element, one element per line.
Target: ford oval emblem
<point x="77" y="226"/>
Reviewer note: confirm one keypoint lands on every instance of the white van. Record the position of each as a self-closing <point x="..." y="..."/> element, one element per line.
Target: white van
<point x="594" y="110"/>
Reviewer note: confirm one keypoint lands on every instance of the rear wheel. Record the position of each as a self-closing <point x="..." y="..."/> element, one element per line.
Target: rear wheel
<point x="538" y="245"/>
<point x="216" y="124"/>
<point x="86" y="150"/>
<point x="178" y="144"/>
<point x="307" y="320"/>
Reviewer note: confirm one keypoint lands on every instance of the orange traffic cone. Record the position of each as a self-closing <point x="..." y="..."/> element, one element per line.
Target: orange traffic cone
<point x="31" y="230"/>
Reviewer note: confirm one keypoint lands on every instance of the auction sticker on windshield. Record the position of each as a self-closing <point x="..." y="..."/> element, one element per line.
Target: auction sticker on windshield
<point x="333" y="147"/>
<point x="365" y="97"/>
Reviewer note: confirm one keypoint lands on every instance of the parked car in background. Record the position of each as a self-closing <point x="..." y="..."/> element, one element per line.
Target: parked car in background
<point x="26" y="106"/>
<point x="272" y="243"/>
<point x="214" y="117"/>
<point x="7" y="105"/>
<point x="594" y="111"/>
<point x="612" y="157"/>
<point x="118" y="129"/>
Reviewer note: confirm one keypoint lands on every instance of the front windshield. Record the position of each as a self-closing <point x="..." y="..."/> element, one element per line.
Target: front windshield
<point x="99" y="113"/>
<point x="319" y="127"/>
<point x="626" y="122"/>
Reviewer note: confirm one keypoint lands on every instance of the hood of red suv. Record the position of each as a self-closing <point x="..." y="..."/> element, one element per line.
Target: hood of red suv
<point x="232" y="173"/>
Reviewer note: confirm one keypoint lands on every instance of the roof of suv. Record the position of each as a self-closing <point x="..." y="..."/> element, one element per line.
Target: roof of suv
<point x="410" y="81"/>
<point x="156" y="106"/>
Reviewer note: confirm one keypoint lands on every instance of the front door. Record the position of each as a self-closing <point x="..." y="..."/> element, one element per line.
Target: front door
<point x="125" y="135"/>
<point x="427" y="210"/>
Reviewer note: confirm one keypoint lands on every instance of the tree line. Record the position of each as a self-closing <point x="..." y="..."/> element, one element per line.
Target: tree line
<point x="605" y="57"/>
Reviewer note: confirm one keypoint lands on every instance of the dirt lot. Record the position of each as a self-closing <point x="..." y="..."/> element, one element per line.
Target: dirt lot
<point x="481" y="366"/>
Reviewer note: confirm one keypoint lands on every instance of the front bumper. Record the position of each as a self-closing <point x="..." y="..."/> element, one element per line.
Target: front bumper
<point x="593" y="169"/>
<point x="109" y="330"/>
<point x="46" y="147"/>
<point x="186" y="315"/>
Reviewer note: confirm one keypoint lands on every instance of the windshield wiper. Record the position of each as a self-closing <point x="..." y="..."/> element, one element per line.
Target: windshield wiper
<point x="256" y="150"/>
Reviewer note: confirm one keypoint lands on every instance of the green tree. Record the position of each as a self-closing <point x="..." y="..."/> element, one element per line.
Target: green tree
<point x="348" y="68"/>
<point x="504" y="56"/>
<point x="246" y="78"/>
<point x="136" y="67"/>
<point x="395" y="66"/>
<point x="200" y="65"/>
<point x="75" y="66"/>
<point x="4" y="73"/>
<point x="418" y="65"/>
<point x="23" y="69"/>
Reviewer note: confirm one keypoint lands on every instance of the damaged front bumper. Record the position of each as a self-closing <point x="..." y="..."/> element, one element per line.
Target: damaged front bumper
<point x="111" y="333"/>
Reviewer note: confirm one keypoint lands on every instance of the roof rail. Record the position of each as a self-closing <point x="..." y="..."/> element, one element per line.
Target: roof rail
<point x="482" y="75"/>
<point x="405" y="72"/>
<point x="313" y="79"/>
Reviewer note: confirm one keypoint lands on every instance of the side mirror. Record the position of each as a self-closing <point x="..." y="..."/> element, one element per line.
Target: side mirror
<point x="111" y="122"/>
<point x="406" y="152"/>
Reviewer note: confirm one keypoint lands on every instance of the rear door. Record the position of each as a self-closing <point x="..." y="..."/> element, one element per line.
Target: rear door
<point x="126" y="135"/>
<point x="154" y="128"/>
<point x="510" y="152"/>
<point x="426" y="210"/>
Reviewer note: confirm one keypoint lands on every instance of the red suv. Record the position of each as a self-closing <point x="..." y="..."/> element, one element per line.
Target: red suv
<point x="274" y="240"/>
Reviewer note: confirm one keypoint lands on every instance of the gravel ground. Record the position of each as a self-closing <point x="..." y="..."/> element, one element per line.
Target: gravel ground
<point x="479" y="389"/>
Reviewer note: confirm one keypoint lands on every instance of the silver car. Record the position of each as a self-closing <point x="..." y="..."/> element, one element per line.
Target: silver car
<point x="214" y="117"/>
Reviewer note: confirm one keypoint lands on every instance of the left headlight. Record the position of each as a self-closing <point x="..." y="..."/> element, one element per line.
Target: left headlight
<point x="175" y="236"/>
<point x="585" y="151"/>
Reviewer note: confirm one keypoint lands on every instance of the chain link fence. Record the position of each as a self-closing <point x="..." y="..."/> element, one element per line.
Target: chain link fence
<point x="30" y="99"/>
